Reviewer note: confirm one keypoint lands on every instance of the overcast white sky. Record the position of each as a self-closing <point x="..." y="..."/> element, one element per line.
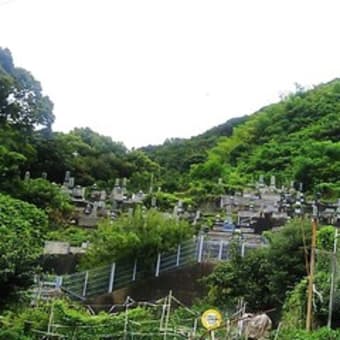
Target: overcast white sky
<point x="144" y="70"/>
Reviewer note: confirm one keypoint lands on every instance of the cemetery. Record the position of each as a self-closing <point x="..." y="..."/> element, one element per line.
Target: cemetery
<point x="240" y="222"/>
<point x="244" y="215"/>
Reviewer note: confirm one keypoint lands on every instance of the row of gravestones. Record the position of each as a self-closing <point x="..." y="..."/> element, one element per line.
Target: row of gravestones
<point x="291" y="201"/>
<point x="118" y="197"/>
<point x="27" y="175"/>
<point x="280" y="211"/>
<point x="281" y="204"/>
<point x="261" y="185"/>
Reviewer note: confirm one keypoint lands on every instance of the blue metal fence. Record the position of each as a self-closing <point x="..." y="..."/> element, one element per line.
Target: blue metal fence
<point x="107" y="278"/>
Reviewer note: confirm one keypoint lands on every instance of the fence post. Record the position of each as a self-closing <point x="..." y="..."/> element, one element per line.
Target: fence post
<point x="134" y="273"/>
<point x="200" y="249"/>
<point x="112" y="277"/>
<point x="85" y="283"/>
<point x="243" y="249"/>
<point x="58" y="281"/>
<point x="158" y="265"/>
<point x="220" y="251"/>
<point x="178" y="255"/>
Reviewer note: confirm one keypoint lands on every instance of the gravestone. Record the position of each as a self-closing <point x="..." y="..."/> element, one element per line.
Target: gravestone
<point x="71" y="182"/>
<point x="67" y="176"/>
<point x="124" y="184"/>
<point x="338" y="209"/>
<point x="180" y="207"/>
<point x="301" y="186"/>
<point x="298" y="208"/>
<point x="95" y="209"/>
<point x="102" y="195"/>
<point x="27" y="175"/>
<point x="261" y="183"/>
<point x="153" y="202"/>
<point x="175" y="211"/>
<point x="78" y="192"/>
<point x="56" y="248"/>
<point x="140" y="195"/>
<point x="114" y="205"/>
<point x="298" y="196"/>
<point x="117" y="194"/>
<point x="315" y="210"/>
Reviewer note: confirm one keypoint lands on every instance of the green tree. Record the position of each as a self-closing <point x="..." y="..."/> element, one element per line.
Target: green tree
<point x="46" y="196"/>
<point x="294" y="309"/>
<point x="263" y="276"/>
<point x="22" y="103"/>
<point x="22" y="229"/>
<point x="143" y="235"/>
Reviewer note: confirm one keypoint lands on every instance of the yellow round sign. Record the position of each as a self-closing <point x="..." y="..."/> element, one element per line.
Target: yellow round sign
<point x="211" y="319"/>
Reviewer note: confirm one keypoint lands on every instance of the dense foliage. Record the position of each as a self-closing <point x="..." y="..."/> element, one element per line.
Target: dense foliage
<point x="297" y="138"/>
<point x="22" y="228"/>
<point x="23" y="109"/>
<point x="75" y="321"/>
<point x="294" y="309"/>
<point x="176" y="156"/>
<point x="66" y="319"/>
<point x="299" y="334"/>
<point x="46" y="196"/>
<point x="27" y="142"/>
<point x="142" y="234"/>
<point x="22" y="103"/>
<point x="262" y="277"/>
<point x="275" y="278"/>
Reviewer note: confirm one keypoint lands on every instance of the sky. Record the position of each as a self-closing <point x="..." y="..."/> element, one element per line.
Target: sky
<point x="142" y="71"/>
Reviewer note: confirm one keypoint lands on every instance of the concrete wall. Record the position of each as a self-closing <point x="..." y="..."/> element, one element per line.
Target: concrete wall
<point x="60" y="264"/>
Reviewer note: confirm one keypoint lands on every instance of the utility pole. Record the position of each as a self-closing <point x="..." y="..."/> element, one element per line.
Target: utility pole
<point x="309" y="317"/>
<point x="331" y="293"/>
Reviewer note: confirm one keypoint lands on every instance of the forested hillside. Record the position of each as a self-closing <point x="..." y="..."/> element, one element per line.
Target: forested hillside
<point x="27" y="142"/>
<point x="295" y="139"/>
<point x="176" y="156"/>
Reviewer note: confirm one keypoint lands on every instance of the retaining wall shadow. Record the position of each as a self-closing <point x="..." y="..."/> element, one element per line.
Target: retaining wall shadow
<point x="184" y="283"/>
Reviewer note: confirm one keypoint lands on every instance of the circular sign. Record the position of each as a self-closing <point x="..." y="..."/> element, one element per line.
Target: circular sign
<point x="211" y="319"/>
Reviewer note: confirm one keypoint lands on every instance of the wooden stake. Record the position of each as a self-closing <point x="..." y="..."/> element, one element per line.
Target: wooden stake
<point x="50" y="320"/>
<point x="126" y="318"/>
<point x="167" y="314"/>
<point x="309" y="317"/>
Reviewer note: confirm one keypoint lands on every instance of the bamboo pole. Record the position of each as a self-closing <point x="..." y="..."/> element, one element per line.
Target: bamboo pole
<point x="309" y="317"/>
<point x="167" y="314"/>
<point x="126" y="318"/>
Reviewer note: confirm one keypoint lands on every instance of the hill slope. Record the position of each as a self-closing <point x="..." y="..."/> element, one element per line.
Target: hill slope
<point x="176" y="156"/>
<point x="295" y="139"/>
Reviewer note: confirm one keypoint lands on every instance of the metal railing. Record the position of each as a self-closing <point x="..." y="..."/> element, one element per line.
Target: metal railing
<point x="116" y="275"/>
